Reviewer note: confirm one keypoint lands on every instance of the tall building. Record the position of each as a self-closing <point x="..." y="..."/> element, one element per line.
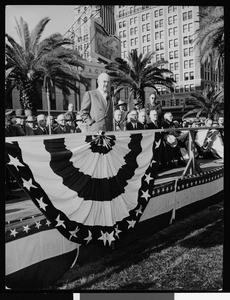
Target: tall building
<point x="169" y="31"/>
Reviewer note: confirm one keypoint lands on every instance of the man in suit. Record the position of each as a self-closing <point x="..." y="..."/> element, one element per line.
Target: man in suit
<point x="154" y="122"/>
<point x="62" y="126"/>
<point x="70" y="115"/>
<point x="10" y="130"/>
<point x="41" y="129"/>
<point x="97" y="106"/>
<point x="30" y="125"/>
<point x="20" y="125"/>
<point x="142" y="118"/>
<point x="134" y="124"/>
<point x="118" y="124"/>
<point x="154" y="105"/>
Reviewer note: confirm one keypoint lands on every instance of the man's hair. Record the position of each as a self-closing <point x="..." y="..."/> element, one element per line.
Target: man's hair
<point x="167" y="114"/>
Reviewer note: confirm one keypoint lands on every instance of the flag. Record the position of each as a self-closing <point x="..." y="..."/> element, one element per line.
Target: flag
<point x="92" y="188"/>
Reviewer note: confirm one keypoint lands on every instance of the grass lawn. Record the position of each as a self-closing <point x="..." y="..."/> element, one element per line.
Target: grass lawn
<point x="187" y="256"/>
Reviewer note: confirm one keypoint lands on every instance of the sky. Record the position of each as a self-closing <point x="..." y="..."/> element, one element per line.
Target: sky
<point x="61" y="18"/>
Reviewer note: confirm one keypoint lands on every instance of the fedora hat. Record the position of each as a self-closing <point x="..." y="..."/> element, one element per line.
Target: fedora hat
<point x="30" y="119"/>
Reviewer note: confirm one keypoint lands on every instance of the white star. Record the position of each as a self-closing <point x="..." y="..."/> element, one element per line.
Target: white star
<point x="38" y="224"/>
<point x="48" y="222"/>
<point x="26" y="228"/>
<point x="13" y="232"/>
<point x="14" y="161"/>
<point x="152" y="162"/>
<point x="109" y="237"/>
<point x="89" y="237"/>
<point x="131" y="223"/>
<point x="209" y="139"/>
<point x="148" y="178"/>
<point x="103" y="237"/>
<point x="138" y="211"/>
<point x="73" y="233"/>
<point x="158" y="144"/>
<point x="145" y="195"/>
<point x="28" y="184"/>
<point x="117" y="231"/>
<point x="59" y="222"/>
<point x="167" y="188"/>
<point x="41" y="203"/>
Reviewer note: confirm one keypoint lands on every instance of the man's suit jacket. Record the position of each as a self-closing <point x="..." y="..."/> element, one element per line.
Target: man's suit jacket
<point x="129" y="126"/>
<point x="20" y="129"/>
<point x="153" y="126"/>
<point x="64" y="129"/>
<point x="95" y="112"/>
<point x="39" y="131"/>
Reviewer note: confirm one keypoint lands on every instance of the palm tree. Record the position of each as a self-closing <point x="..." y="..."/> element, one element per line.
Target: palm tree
<point x="31" y="60"/>
<point x="209" y="102"/>
<point x="210" y="36"/>
<point x="137" y="73"/>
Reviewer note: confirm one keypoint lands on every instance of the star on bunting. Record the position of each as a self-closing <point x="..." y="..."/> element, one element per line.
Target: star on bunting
<point x="38" y="224"/>
<point x="60" y="222"/>
<point x="145" y="195"/>
<point x="131" y="223"/>
<point x="117" y="231"/>
<point x="158" y="144"/>
<point x="28" y="184"/>
<point x="109" y="237"/>
<point x="48" y="222"/>
<point x="138" y="211"/>
<point x="14" y="161"/>
<point x="13" y="232"/>
<point x="73" y="233"/>
<point x="41" y="203"/>
<point x="103" y="237"/>
<point x="89" y="237"/>
<point x="148" y="178"/>
<point x="26" y="228"/>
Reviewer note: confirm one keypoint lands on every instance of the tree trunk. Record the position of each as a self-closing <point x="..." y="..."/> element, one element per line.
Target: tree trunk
<point x="29" y="96"/>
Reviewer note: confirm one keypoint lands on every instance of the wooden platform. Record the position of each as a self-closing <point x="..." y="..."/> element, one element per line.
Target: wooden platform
<point x="24" y="206"/>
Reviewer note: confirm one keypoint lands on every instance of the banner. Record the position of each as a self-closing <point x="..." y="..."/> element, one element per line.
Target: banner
<point x="92" y="188"/>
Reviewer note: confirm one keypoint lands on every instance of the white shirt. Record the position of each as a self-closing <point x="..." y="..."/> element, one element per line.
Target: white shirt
<point x="104" y="95"/>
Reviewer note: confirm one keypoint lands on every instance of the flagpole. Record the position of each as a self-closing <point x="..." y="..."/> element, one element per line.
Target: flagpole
<point x="46" y="84"/>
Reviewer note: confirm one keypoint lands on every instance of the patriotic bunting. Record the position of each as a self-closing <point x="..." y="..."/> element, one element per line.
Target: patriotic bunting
<point x="91" y="188"/>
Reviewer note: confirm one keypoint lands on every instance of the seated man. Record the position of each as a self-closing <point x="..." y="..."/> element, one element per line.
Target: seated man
<point x="142" y="118"/>
<point x="41" y="128"/>
<point x="172" y="141"/>
<point x="118" y="124"/>
<point x="62" y="126"/>
<point x="134" y="124"/>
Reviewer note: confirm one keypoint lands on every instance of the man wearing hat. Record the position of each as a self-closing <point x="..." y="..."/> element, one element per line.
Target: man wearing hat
<point x="10" y="130"/>
<point x="122" y="106"/>
<point x="20" y="122"/>
<point x="30" y="125"/>
<point x="62" y="127"/>
<point x="70" y="115"/>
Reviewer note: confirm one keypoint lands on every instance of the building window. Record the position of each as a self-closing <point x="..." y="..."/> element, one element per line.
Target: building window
<point x="172" y="102"/>
<point x="176" y="54"/>
<point x="170" y="20"/>
<point x="156" y="14"/>
<point x="143" y="27"/>
<point x="148" y="37"/>
<point x="185" y="28"/>
<point x="124" y="44"/>
<point x="144" y="39"/>
<point x="176" y="77"/>
<point x="157" y="46"/>
<point x="131" y="21"/>
<point x="147" y="16"/>
<point x="163" y="102"/>
<point x="125" y="54"/>
<point x="170" y="31"/>
<point x="171" y="65"/>
<point x="190" y="27"/>
<point x="192" y="87"/>
<point x="186" y="64"/>
<point x="177" y="89"/>
<point x="177" y="102"/>
<point x="175" y="42"/>
<point x="185" y="40"/>
<point x="185" y="52"/>
<point x="156" y="24"/>
<point x="157" y="57"/>
<point x="135" y="20"/>
<point x="186" y="76"/>
<point x="124" y="23"/>
<point x="132" y="42"/>
<point x="176" y="66"/>
<point x="160" y="12"/>
<point x="170" y="9"/>
<point x="162" y="45"/>
<point x="170" y="43"/>
<point x="161" y="34"/>
<point x="190" y="14"/>
<point x="191" y="63"/>
<point x="131" y="31"/>
<point x="191" y="51"/>
<point x="157" y="35"/>
<point x="144" y="49"/>
<point x="190" y="39"/>
<point x="161" y="23"/>
<point x="148" y="26"/>
<point x="175" y="30"/>
<point x="186" y="88"/>
<point x="124" y="33"/>
<point x="174" y="19"/>
<point x="120" y="24"/>
<point x="191" y="74"/>
<point x="162" y="56"/>
<point x="143" y="17"/>
<point x="148" y="48"/>
<point x="184" y="16"/>
<point x="135" y="30"/>
<point x="171" y="55"/>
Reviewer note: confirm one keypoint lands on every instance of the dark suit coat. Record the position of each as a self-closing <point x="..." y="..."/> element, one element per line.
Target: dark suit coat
<point x="64" y="129"/>
<point x="94" y="109"/>
<point x="19" y="129"/>
<point x="153" y="126"/>
<point x="129" y="126"/>
<point x="29" y="130"/>
<point x="11" y="131"/>
<point x="39" y="131"/>
<point x="71" y="114"/>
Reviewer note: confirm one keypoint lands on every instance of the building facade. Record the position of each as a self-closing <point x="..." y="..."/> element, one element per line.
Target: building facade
<point x="169" y="31"/>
